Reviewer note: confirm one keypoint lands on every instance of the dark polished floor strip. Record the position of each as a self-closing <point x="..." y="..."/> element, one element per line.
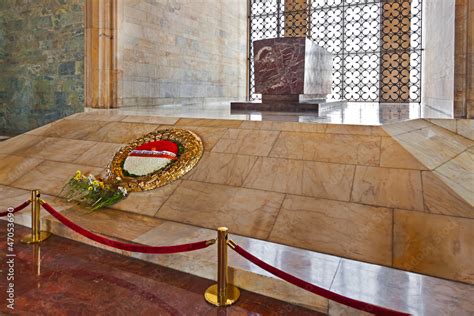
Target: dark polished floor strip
<point x="77" y="279"/>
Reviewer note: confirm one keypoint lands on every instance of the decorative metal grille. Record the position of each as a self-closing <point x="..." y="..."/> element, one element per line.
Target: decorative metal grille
<point x="376" y="44"/>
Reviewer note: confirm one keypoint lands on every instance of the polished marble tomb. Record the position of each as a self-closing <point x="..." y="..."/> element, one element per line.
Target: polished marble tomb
<point x="292" y="73"/>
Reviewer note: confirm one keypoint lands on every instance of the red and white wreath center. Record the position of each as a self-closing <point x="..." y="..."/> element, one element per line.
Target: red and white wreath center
<point x="150" y="157"/>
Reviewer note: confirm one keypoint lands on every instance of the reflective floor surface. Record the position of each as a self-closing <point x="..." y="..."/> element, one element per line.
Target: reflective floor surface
<point x="75" y="279"/>
<point x="336" y="113"/>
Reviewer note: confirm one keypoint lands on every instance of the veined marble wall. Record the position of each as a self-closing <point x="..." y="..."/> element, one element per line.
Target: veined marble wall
<point x="438" y="63"/>
<point x="181" y="51"/>
<point x="41" y="62"/>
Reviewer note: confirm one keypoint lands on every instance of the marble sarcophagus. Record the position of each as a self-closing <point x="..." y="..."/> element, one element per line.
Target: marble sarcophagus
<point x="292" y="66"/>
<point x="288" y="70"/>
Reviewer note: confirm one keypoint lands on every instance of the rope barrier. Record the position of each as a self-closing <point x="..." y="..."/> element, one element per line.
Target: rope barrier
<point x="124" y="246"/>
<point x="16" y="209"/>
<point x="214" y="298"/>
<point x="363" y="306"/>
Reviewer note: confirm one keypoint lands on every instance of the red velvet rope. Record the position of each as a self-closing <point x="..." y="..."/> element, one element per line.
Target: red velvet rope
<point x="16" y="209"/>
<point x="363" y="306"/>
<point x="124" y="246"/>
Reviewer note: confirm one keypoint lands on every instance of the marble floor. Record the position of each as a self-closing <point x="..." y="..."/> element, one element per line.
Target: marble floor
<point x="76" y="279"/>
<point x="362" y="188"/>
<point x="345" y="113"/>
<point x="397" y="195"/>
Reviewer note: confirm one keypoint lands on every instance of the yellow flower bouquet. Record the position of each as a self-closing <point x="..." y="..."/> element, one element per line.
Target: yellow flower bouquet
<point x="94" y="191"/>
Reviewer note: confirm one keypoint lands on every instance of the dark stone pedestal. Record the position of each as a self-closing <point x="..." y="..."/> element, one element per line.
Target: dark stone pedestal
<point x="276" y="106"/>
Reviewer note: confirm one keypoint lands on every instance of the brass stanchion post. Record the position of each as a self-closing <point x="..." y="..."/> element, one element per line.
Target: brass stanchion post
<point x="36" y="235"/>
<point x="222" y="293"/>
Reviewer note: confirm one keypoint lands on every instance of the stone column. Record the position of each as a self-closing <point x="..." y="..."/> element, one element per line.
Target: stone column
<point x="296" y="18"/>
<point x="100" y="54"/>
<point x="463" y="60"/>
<point x="395" y="51"/>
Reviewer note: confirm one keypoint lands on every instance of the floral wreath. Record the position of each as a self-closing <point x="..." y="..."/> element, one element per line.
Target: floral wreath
<point x="146" y="163"/>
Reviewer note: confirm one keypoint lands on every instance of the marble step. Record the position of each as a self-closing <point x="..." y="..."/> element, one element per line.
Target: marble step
<point x="446" y="150"/>
<point x="409" y="292"/>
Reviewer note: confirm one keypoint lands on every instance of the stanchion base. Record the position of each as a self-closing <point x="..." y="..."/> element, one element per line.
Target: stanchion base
<point x="233" y="294"/>
<point x="28" y="239"/>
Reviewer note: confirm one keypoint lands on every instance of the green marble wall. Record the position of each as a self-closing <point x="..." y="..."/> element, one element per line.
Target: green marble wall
<point x="41" y="62"/>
